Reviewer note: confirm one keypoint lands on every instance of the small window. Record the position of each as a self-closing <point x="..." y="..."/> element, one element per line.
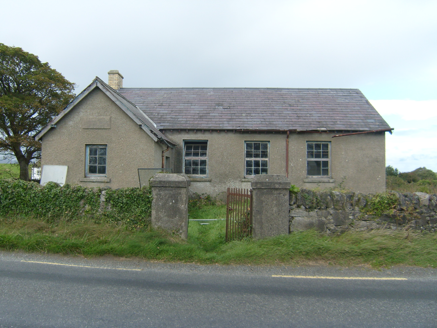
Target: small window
<point x="96" y="160"/>
<point x="256" y="158"/>
<point x="318" y="159"/>
<point x="196" y="157"/>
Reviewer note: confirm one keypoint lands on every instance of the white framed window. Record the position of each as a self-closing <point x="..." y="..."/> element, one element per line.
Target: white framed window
<point x="318" y="159"/>
<point x="256" y="155"/>
<point x="96" y="156"/>
<point x="196" y="157"/>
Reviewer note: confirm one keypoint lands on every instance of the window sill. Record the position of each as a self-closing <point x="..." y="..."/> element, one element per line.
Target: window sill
<point x="319" y="180"/>
<point x="96" y="180"/>
<point x="192" y="179"/>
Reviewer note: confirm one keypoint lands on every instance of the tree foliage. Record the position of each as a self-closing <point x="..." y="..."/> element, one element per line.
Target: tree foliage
<point x="390" y="171"/>
<point x="31" y="94"/>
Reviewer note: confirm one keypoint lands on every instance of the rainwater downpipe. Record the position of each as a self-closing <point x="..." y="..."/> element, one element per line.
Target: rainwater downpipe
<point x="163" y="157"/>
<point x="286" y="154"/>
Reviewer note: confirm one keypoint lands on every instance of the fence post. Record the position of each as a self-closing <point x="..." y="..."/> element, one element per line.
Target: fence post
<point x="170" y="203"/>
<point x="270" y="205"/>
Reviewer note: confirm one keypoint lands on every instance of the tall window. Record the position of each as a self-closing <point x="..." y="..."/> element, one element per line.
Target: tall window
<point x="195" y="157"/>
<point x="256" y="158"/>
<point x="96" y="160"/>
<point x="318" y="158"/>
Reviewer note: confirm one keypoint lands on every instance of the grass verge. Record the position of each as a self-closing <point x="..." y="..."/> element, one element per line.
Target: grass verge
<point x="206" y="243"/>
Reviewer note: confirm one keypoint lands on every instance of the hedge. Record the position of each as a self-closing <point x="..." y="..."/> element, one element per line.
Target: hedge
<point x="52" y="202"/>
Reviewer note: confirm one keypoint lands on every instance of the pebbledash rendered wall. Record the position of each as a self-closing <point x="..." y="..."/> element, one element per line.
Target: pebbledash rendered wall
<point x="335" y="212"/>
<point x="357" y="162"/>
<point x="96" y="120"/>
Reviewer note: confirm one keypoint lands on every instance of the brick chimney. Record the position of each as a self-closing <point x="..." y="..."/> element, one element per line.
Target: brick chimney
<point x="115" y="79"/>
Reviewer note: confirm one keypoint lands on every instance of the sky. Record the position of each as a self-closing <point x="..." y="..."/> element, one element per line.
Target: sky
<point x="385" y="48"/>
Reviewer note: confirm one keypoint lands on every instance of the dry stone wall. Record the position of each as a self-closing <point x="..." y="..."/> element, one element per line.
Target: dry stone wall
<point x="336" y="212"/>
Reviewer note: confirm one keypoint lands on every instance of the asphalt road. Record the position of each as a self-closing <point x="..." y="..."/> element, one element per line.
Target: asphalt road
<point x="55" y="291"/>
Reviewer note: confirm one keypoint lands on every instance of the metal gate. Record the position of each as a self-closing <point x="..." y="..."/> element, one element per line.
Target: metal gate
<point x="238" y="213"/>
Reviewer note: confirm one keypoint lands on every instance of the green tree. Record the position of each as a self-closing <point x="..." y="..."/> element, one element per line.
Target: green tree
<point x="31" y="94"/>
<point x="390" y="171"/>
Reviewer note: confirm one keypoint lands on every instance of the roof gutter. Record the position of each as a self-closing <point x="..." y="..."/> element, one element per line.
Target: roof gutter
<point x="362" y="132"/>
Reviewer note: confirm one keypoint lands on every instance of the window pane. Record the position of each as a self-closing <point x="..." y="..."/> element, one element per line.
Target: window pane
<point x="319" y="150"/>
<point x="192" y="157"/>
<point x="96" y="159"/>
<point x="255" y="151"/>
<point x="313" y="168"/>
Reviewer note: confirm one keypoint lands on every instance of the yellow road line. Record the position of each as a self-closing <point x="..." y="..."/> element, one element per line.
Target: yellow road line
<point x="337" y="278"/>
<point x="80" y="266"/>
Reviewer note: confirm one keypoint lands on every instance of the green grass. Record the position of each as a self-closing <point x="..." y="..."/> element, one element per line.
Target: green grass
<point x="206" y="243"/>
<point x="8" y="171"/>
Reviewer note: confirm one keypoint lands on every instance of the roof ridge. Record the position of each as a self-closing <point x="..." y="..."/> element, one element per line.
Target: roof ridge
<point x="233" y="88"/>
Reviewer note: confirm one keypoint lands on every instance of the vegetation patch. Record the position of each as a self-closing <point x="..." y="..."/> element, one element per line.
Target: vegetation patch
<point x="379" y="204"/>
<point x="421" y="179"/>
<point x="52" y="203"/>
<point x="206" y="243"/>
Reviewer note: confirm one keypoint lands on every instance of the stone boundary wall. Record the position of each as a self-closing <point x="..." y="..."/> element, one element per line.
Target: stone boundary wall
<point x="336" y="212"/>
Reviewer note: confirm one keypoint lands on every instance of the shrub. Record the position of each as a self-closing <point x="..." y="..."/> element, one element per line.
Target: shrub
<point x="53" y="202"/>
<point x="380" y="204"/>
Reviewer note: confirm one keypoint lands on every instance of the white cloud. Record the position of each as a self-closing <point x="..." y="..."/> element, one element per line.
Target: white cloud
<point x="407" y="109"/>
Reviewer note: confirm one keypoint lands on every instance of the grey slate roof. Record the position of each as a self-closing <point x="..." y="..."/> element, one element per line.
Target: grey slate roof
<point x="128" y="107"/>
<point x="256" y="108"/>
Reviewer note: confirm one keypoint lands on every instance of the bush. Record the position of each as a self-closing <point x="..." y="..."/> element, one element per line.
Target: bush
<point x="53" y="202"/>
